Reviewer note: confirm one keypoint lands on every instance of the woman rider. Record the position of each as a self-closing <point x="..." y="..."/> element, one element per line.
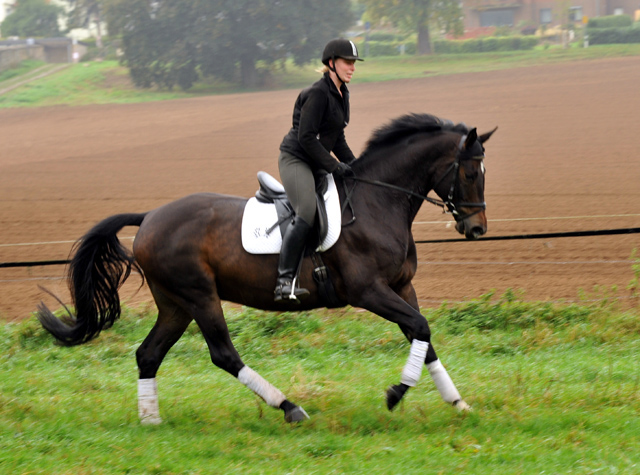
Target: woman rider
<point x="320" y="115"/>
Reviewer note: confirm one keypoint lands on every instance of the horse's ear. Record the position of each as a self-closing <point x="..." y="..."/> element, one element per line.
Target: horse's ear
<point x="484" y="137"/>
<point x="472" y="136"/>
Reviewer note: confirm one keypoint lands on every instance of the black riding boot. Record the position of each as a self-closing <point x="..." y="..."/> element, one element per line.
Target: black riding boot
<point x="293" y="243"/>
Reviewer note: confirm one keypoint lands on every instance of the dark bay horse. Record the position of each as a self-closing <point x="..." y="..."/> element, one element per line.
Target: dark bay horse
<point x="191" y="255"/>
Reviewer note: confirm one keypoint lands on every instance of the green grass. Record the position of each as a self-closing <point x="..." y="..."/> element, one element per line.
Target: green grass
<point x="555" y="389"/>
<point x="107" y="82"/>
<point x="81" y="84"/>
<point x="24" y="68"/>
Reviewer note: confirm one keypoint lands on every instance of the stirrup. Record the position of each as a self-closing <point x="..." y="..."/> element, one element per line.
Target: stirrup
<point x="287" y="291"/>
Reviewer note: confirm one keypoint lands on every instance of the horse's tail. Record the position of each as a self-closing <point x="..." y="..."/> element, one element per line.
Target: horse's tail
<point x="97" y="270"/>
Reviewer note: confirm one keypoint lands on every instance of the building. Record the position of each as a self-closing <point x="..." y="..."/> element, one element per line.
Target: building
<point x="6" y="7"/>
<point x="535" y="13"/>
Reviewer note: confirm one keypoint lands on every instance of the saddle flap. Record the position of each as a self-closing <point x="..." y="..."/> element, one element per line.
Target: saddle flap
<point x="271" y="209"/>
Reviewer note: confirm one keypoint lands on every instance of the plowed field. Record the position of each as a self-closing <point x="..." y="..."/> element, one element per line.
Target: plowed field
<point x="566" y="157"/>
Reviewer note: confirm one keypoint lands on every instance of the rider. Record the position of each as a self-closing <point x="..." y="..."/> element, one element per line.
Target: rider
<point x="320" y="115"/>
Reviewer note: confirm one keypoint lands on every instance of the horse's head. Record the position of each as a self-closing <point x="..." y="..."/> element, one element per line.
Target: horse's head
<point x="461" y="186"/>
<point x="396" y="155"/>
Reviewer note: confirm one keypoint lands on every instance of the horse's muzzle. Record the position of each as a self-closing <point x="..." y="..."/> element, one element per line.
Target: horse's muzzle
<point x="471" y="228"/>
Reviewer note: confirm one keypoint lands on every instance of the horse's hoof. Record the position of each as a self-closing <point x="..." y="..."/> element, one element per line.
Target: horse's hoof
<point x="395" y="393"/>
<point x="462" y="406"/>
<point x="296" y="414"/>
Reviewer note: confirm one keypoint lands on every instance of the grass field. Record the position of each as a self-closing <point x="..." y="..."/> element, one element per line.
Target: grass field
<point x="107" y="82"/>
<point x="555" y="389"/>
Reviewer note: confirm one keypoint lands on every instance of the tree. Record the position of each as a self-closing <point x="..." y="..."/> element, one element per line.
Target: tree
<point x="168" y="42"/>
<point x="84" y="12"/>
<point x="417" y="16"/>
<point x="32" y="18"/>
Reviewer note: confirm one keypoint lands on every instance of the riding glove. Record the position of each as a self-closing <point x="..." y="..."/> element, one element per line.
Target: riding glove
<point x="343" y="170"/>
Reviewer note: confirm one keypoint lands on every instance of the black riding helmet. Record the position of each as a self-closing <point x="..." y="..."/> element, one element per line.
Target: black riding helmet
<point x="340" y="48"/>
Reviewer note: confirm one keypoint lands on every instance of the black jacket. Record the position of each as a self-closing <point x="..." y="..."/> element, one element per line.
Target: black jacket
<point x="319" y="118"/>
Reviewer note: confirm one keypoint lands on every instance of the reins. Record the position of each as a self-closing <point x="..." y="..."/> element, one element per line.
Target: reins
<point x="447" y="206"/>
<point x="433" y="201"/>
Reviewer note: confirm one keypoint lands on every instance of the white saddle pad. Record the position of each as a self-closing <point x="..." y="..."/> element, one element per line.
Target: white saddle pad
<point x="259" y="217"/>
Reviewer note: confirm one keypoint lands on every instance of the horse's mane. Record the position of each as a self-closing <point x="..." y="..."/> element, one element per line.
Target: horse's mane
<point x="407" y="125"/>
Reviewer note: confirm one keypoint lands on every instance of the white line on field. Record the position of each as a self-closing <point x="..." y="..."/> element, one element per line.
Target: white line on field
<point x="538" y="219"/>
<point x="448" y="223"/>
<point x="519" y="263"/>
<point x="48" y="242"/>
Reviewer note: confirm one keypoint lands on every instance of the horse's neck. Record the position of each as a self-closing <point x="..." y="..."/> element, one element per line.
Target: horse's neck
<point x="409" y="168"/>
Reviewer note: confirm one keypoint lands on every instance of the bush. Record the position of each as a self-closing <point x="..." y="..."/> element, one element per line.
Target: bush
<point x="380" y="48"/>
<point x="380" y="36"/>
<point x="509" y="312"/>
<point x="606" y="36"/>
<point x="611" y="21"/>
<point x="484" y="45"/>
<point x="386" y="48"/>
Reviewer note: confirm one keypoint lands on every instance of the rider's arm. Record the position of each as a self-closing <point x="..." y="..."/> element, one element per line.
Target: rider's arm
<point x="311" y="116"/>
<point x="342" y="150"/>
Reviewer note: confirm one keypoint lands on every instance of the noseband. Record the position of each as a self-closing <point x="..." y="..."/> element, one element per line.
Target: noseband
<point x="448" y="205"/>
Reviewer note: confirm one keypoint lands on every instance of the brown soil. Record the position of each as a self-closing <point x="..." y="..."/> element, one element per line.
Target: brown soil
<point x="566" y="149"/>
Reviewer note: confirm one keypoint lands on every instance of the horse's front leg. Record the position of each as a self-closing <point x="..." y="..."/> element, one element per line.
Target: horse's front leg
<point x="437" y="371"/>
<point x="380" y="299"/>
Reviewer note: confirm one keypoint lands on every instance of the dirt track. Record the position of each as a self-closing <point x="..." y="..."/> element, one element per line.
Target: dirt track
<point x="567" y="147"/>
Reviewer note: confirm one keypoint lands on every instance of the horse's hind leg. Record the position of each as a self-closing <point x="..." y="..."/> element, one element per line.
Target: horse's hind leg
<point x="210" y="318"/>
<point x="437" y="371"/>
<point x="170" y="326"/>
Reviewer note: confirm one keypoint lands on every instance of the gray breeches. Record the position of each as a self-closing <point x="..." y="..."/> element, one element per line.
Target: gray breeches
<point x="299" y="183"/>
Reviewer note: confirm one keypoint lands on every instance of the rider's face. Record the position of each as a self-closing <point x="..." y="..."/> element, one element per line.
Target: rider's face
<point x="345" y="68"/>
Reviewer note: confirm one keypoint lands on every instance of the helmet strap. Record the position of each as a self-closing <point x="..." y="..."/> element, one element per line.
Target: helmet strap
<point x="333" y="61"/>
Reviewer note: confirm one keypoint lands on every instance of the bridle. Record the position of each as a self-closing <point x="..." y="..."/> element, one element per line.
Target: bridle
<point x="448" y="205"/>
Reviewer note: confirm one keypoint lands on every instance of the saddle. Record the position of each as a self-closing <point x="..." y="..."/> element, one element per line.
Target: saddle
<point x="266" y="215"/>
<point x="270" y="209"/>
<point x="272" y="191"/>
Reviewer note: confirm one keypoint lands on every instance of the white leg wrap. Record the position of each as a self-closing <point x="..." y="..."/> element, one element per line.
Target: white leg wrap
<point x="443" y="382"/>
<point x="263" y="388"/>
<point x="413" y="369"/>
<point x="148" y="409"/>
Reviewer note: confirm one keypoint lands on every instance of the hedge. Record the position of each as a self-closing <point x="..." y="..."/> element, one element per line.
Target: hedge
<point x="478" y="45"/>
<point x="386" y="48"/>
<point x="611" y="21"/>
<point x="485" y="45"/>
<point x="382" y="36"/>
<point x="606" y="36"/>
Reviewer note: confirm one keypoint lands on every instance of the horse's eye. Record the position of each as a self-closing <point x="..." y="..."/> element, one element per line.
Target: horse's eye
<point x="471" y="176"/>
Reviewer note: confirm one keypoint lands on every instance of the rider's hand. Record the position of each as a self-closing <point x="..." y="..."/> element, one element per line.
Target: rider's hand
<point x="343" y="170"/>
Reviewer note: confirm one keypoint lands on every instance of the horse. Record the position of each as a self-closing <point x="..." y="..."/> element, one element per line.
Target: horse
<point x="190" y="253"/>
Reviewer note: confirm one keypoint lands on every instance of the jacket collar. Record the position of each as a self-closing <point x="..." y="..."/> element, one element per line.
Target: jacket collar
<point x="333" y="88"/>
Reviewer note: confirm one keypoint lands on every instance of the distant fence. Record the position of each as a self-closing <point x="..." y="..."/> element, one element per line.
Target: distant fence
<point x="51" y="50"/>
<point x="597" y="232"/>
<point x="13" y="55"/>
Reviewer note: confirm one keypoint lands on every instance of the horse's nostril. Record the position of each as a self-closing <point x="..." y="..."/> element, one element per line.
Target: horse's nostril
<point x="475" y="232"/>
